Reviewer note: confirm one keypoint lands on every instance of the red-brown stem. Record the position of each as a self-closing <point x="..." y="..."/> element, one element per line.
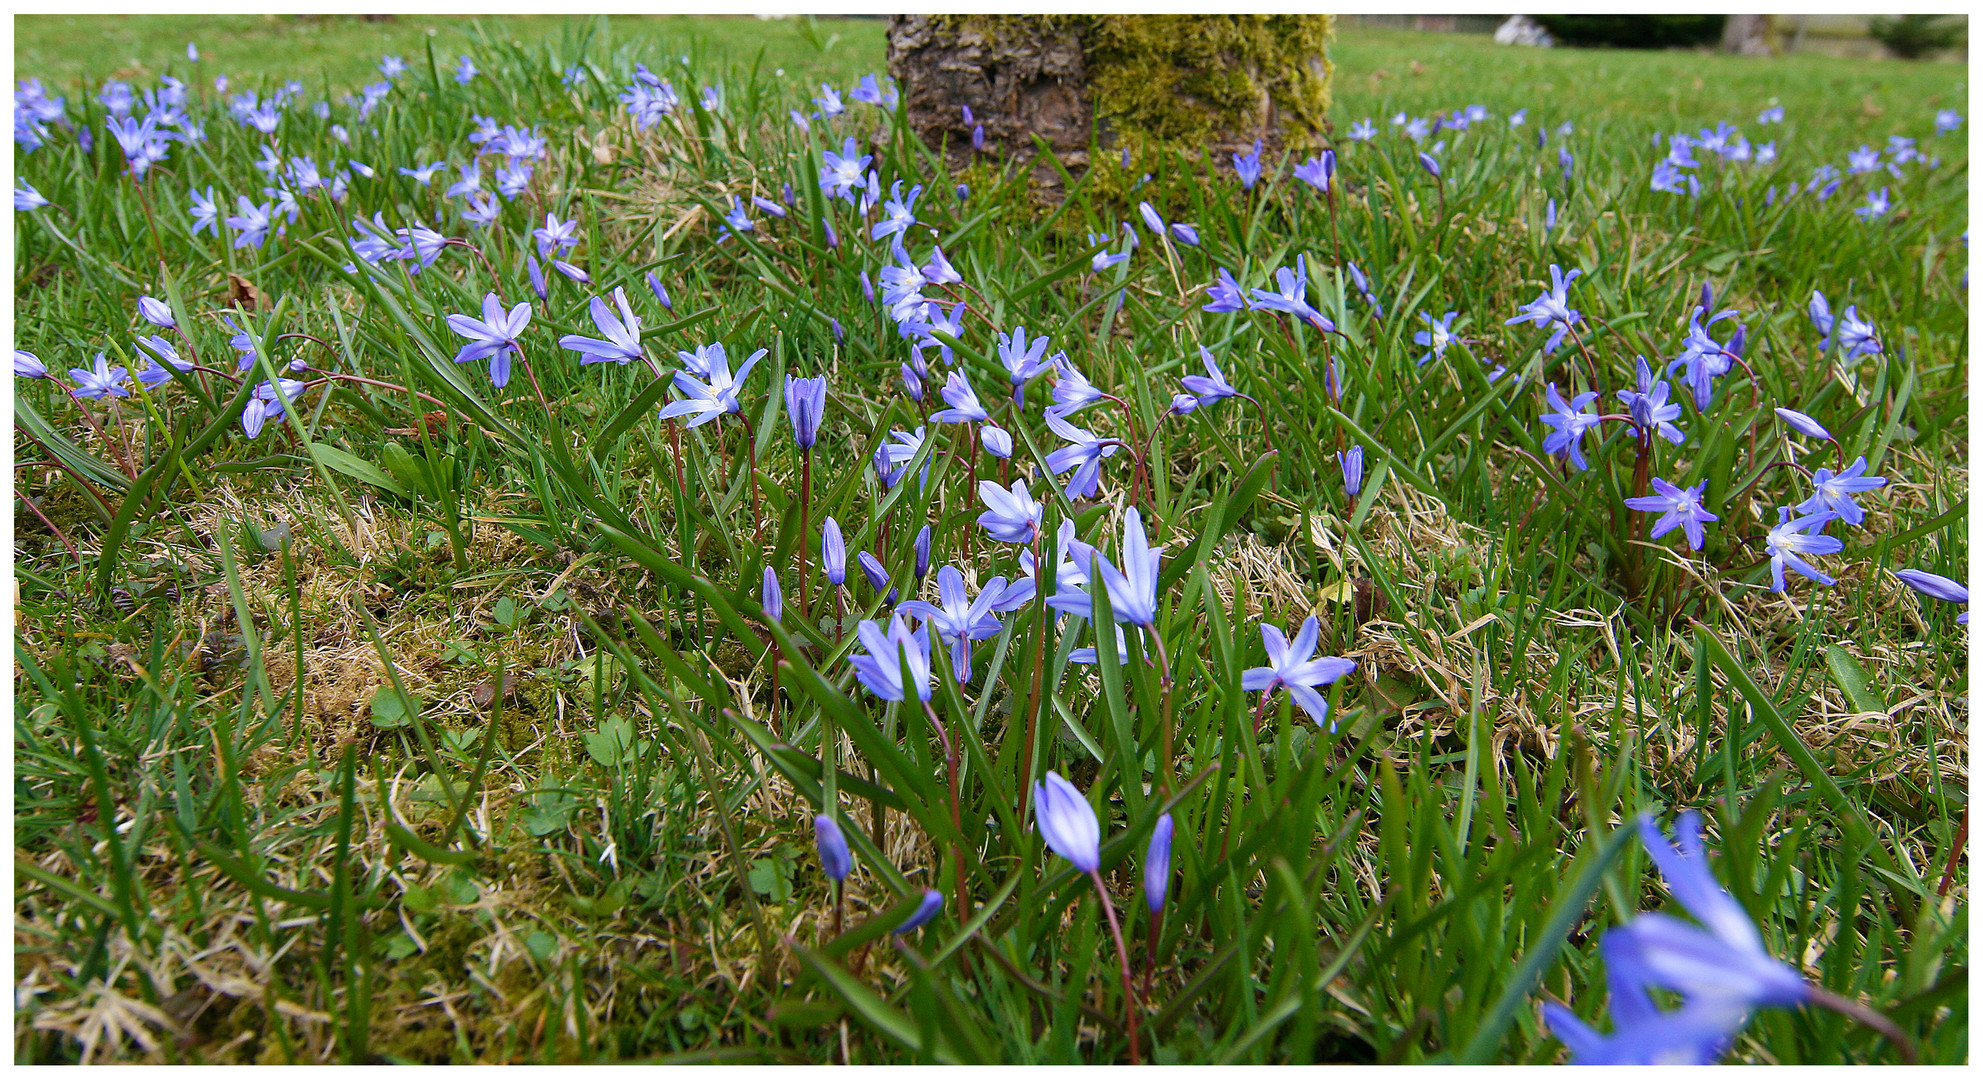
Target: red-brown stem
<point x="1260" y="714"/>
<point x="1130" y="1003"/>
<point x="1033" y="697"/>
<point x="71" y="545"/>
<point x="130" y="469"/>
<point x="532" y="372"/>
<point x="1955" y="852"/>
<point x="1164" y="677"/>
<point x="428" y="398"/>
<point x="1150" y="951"/>
<point x="956" y="818"/>
<point x="757" y="496"/>
<point x="805" y="550"/>
<point x="1866" y="1015"/>
<point x="971" y="481"/>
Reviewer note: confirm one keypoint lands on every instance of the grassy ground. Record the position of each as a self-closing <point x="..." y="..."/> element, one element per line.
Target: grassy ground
<point x="342" y="52"/>
<point x="468" y="738"/>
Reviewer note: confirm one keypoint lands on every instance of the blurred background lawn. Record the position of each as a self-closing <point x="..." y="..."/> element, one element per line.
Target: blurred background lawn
<point x="1379" y="70"/>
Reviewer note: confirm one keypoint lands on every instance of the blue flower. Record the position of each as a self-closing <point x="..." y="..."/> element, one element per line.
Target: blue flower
<point x="833" y="552"/>
<point x="1570" y="422"/>
<point x="958" y="619"/>
<point x="1930" y="585"/>
<point x="155" y="312"/>
<point x="1316" y="170"/>
<point x="1224" y="293"/>
<point x="867" y="90"/>
<point x="1297" y="668"/>
<point x="98" y="381"/>
<point x="1680" y="508"/>
<point x="1068" y="823"/>
<point x="897" y="213"/>
<point x="1437" y="336"/>
<point x="493" y="337"/>
<point x="1855" y="335"/>
<point x="1947" y="120"/>
<point x="465" y="71"/>
<point x="1352" y="464"/>
<point x="205" y="213"/>
<point x="1104" y="259"/>
<point x="834" y="858"/>
<point x="773" y="597"/>
<point x="1084" y="455"/>
<point x="267" y="404"/>
<point x="736" y="218"/>
<point x="1723" y="956"/>
<point x="1834" y="491"/>
<point x="252" y="224"/>
<point x="1552" y="308"/>
<point x="892" y="459"/>
<point x="1803" y="423"/>
<point x="932" y="899"/>
<point x="805" y="403"/>
<point x="1022" y="359"/>
<point x="1649" y="408"/>
<point x="1011" y="516"/>
<point x="1072" y="392"/>
<point x="1792" y="539"/>
<point x="1696" y="1034"/>
<point x="1157" y="863"/>
<point x="29" y="366"/>
<point x="1212" y="386"/>
<point x="709" y="400"/>
<point x="1292" y="299"/>
<point x="1363" y="130"/>
<point x="154" y="374"/>
<point x="622" y="342"/>
<point x="1132" y="589"/>
<point x="880" y="669"/>
<point x="1877" y="205"/>
<point x="1248" y="167"/>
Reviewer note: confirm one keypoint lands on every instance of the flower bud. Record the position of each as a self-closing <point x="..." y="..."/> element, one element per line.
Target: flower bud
<point x="834" y="857"/>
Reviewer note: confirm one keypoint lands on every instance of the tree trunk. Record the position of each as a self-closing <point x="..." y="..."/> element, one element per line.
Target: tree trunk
<point x="1747" y="35"/>
<point x="1211" y="83"/>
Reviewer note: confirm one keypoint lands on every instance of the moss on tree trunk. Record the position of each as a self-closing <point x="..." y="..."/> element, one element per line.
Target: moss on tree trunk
<point x="1195" y="83"/>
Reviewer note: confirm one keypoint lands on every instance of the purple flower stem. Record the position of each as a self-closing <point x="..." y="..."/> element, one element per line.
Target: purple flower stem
<point x="532" y="373"/>
<point x="1033" y="697"/>
<point x="805" y="503"/>
<point x="956" y="822"/>
<point x="460" y="243"/>
<point x="1130" y="1003"/>
<point x="1866" y="1015"/>
<point x="52" y="527"/>
<point x="144" y="200"/>
<point x="757" y="496"/>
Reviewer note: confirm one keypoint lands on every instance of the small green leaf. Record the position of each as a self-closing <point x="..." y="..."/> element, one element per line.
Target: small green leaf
<point x="613" y="744"/>
<point x="389" y="710"/>
<point x="1853" y="680"/>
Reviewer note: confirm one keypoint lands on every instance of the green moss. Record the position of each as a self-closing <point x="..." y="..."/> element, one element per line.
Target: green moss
<point x="1188" y="80"/>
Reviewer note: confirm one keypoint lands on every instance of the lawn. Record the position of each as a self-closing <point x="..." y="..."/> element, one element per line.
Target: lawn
<point x="404" y="675"/>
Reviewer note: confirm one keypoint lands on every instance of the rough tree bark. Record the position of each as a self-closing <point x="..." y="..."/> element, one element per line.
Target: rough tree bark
<point x="1201" y="82"/>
